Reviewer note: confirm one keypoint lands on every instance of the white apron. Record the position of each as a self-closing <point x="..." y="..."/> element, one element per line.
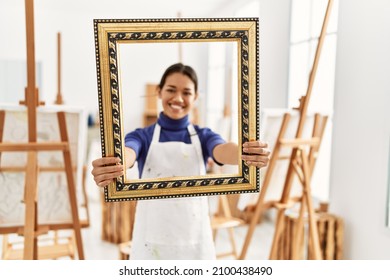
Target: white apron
<point x="176" y="228"/>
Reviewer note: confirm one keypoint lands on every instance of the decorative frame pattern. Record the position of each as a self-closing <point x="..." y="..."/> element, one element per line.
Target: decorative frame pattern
<point x="111" y="32"/>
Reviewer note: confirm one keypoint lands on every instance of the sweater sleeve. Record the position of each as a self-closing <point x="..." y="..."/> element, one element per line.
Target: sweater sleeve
<point x="135" y="140"/>
<point x="139" y="140"/>
<point x="209" y="140"/>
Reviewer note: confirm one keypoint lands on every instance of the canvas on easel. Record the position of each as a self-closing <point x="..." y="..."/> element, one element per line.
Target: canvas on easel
<point x="54" y="207"/>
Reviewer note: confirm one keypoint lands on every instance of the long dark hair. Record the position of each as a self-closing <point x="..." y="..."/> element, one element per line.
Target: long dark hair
<point x="180" y="68"/>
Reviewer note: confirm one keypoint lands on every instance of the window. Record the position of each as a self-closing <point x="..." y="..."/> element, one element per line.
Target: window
<point x="306" y="22"/>
<point x="222" y="66"/>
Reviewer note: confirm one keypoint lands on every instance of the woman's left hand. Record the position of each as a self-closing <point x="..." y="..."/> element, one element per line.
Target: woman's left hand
<point x="256" y="153"/>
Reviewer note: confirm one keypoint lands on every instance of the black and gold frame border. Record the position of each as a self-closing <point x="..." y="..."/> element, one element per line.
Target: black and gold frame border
<point x="109" y="33"/>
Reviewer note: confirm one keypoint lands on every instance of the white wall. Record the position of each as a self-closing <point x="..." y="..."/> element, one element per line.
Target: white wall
<point x="361" y="127"/>
<point x="142" y="64"/>
<point x="274" y="52"/>
<point x="74" y="19"/>
<point x="274" y="19"/>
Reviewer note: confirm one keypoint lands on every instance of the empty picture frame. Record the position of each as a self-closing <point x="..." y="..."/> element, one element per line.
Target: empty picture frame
<point x="112" y="34"/>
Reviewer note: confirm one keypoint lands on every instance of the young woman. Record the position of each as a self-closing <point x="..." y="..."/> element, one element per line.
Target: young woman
<point x="175" y="228"/>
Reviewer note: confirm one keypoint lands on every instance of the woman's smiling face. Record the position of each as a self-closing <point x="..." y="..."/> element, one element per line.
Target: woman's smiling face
<point x="177" y="95"/>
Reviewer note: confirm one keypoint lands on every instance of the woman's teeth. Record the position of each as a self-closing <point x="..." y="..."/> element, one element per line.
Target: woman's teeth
<point x="176" y="107"/>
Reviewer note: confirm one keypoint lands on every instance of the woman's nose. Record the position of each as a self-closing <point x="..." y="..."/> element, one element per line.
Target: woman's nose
<point x="178" y="97"/>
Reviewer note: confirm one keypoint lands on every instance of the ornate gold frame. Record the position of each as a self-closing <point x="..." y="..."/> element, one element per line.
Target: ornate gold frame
<point x="111" y="32"/>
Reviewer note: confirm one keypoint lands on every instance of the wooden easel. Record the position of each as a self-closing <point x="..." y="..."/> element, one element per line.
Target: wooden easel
<point x="31" y="230"/>
<point x="59" y="99"/>
<point x="301" y="163"/>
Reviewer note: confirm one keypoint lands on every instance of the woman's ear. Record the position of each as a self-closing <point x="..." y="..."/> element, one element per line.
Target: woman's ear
<point x="196" y="96"/>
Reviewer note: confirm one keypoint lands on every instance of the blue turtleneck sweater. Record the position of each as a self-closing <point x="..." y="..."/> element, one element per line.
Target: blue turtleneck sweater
<point x="171" y="130"/>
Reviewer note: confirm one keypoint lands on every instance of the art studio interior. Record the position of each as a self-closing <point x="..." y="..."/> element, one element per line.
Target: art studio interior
<point x="321" y="87"/>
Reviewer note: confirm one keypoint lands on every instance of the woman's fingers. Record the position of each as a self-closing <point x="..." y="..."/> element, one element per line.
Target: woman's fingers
<point x="108" y="173"/>
<point x="257" y="150"/>
<point x="256" y="147"/>
<point x="104" y="179"/>
<point x="256" y="153"/>
<point x="105" y="183"/>
<point x="96" y="171"/>
<point x="105" y="161"/>
<point x="255" y="158"/>
<point x="257" y="163"/>
<point x="106" y="169"/>
<point x="255" y="144"/>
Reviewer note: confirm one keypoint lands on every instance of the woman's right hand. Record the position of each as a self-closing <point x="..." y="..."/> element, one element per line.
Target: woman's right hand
<point x="105" y="170"/>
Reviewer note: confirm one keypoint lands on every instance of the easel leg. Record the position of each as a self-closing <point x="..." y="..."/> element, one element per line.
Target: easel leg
<point x="298" y="232"/>
<point x="313" y="230"/>
<point x="31" y="216"/>
<point x="251" y="230"/>
<point x="71" y="186"/>
<point x="279" y="227"/>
